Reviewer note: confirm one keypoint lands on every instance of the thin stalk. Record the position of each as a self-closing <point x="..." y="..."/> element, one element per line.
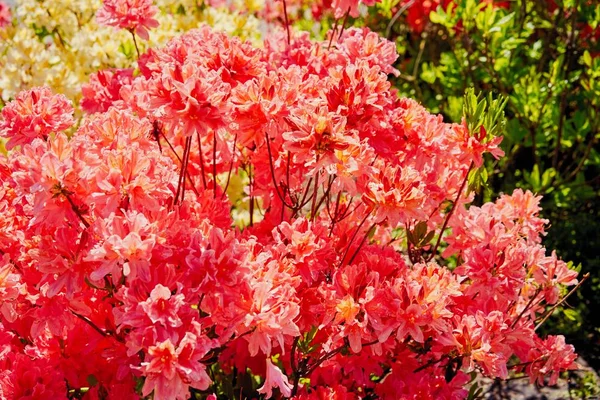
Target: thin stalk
<point x="273" y="174"/>
<point x="525" y="309"/>
<point x="549" y="313"/>
<point x="314" y="195"/>
<point x="287" y="23"/>
<point x="362" y="242"/>
<point x="184" y="163"/>
<point x="137" y="50"/>
<point x="462" y="186"/>
<point x="76" y="209"/>
<point x="327" y="191"/>
<point x="335" y="25"/>
<point x="156" y="133"/>
<point x="251" y="207"/>
<point x="201" y="160"/>
<point x="94" y="326"/>
<point x="230" y="167"/>
<point x="353" y="237"/>
<point x="179" y="159"/>
<point x="334" y="352"/>
<point x="388" y="30"/>
<point x="214" y="164"/>
<point x="344" y="23"/>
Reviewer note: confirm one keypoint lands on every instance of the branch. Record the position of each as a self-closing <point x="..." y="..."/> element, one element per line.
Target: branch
<point x="585" y="277"/>
<point x="462" y="186"/>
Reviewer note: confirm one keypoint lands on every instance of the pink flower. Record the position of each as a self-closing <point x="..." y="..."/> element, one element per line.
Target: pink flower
<point x="102" y="91"/>
<point x="133" y="15"/>
<point x="341" y="7"/>
<point x="170" y="372"/>
<point x="35" y="114"/>
<point x="5" y="15"/>
<point x="410" y="322"/>
<point x="162" y="307"/>
<point x="365" y="45"/>
<point x="275" y="379"/>
<point x="10" y="289"/>
<point x="551" y="356"/>
<point x="127" y="245"/>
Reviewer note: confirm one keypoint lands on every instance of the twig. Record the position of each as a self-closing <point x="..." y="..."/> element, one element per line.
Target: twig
<point x="182" y="174"/>
<point x="332" y="353"/>
<point x="273" y="173"/>
<point x="335" y="24"/>
<point x="287" y="23"/>
<point x="525" y="309"/>
<point x="353" y="237"/>
<point x="95" y="327"/>
<point x="583" y="279"/>
<point x="462" y="186"/>
<point x="230" y="167"/>
<point x="178" y="159"/>
<point x="344" y="23"/>
<point x="201" y="159"/>
<point x="405" y="7"/>
<point x="137" y="50"/>
<point x="214" y="164"/>
<point x="419" y="55"/>
<point x="362" y="242"/>
<point x="75" y="208"/>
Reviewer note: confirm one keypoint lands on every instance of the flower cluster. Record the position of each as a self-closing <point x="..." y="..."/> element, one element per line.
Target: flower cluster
<point x="133" y="15"/>
<point x="122" y="273"/>
<point x="33" y="114"/>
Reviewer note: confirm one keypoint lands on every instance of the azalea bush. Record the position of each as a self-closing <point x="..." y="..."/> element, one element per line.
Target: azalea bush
<point x="235" y="221"/>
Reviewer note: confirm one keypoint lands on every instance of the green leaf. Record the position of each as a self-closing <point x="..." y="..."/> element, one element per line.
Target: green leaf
<point x="587" y="58"/>
<point x="428" y="74"/>
<point x="533" y="178"/>
<point x="547" y="176"/>
<point x="504" y="20"/>
<point x="437" y="18"/>
<point x="484" y="175"/>
<point x="571" y="315"/>
<point x="473" y="391"/>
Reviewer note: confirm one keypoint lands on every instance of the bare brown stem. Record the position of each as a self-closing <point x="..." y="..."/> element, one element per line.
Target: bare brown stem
<point x="137" y="50"/>
<point x="287" y="23"/>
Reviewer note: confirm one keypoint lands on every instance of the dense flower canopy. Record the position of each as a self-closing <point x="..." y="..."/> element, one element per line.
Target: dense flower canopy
<point x="235" y="209"/>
